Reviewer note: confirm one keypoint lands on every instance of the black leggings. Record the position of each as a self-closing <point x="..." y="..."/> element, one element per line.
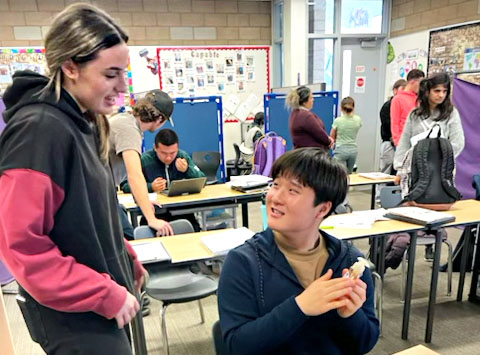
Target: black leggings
<point x="66" y="333"/>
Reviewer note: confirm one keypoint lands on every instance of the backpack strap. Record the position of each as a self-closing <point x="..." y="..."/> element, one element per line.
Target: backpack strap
<point x="448" y="165"/>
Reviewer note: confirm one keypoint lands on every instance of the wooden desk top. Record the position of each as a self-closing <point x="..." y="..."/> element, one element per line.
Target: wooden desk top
<point x="465" y="212"/>
<point x="5" y="334"/>
<point x="185" y="247"/>
<point x="417" y="350"/>
<point x="356" y="180"/>
<point x="209" y="193"/>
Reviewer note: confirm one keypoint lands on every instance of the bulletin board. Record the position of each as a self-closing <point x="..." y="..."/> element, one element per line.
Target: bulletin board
<point x="199" y="126"/>
<point x="455" y="49"/>
<point x="241" y="74"/>
<point x="277" y="115"/>
<point x="13" y="59"/>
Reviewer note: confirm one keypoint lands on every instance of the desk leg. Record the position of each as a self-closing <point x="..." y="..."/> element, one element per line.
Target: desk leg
<point x="408" y="286"/>
<point x="433" y="287"/>
<point x="138" y="334"/>
<point x="245" y="214"/>
<point x="467" y="236"/>
<point x="134" y="218"/>
<point x="381" y="256"/>
<point x="372" y="198"/>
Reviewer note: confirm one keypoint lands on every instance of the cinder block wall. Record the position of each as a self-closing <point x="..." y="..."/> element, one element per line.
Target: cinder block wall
<point x="412" y="16"/>
<point x="149" y="22"/>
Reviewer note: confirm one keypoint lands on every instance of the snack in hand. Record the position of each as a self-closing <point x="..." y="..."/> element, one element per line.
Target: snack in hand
<point x="357" y="269"/>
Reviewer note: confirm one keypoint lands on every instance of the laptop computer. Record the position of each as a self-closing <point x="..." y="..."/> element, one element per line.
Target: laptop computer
<point x="185" y="187"/>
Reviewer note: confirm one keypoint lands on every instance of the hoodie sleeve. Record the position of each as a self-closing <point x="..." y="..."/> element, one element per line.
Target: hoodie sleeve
<point x="244" y="330"/>
<point x="30" y="200"/>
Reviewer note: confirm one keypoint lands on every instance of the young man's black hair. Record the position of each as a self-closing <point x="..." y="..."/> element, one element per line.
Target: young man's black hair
<point x="313" y="167"/>
<point x="166" y="137"/>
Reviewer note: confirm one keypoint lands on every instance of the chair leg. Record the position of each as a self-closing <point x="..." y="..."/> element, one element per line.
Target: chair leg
<point x="449" y="266"/>
<point x="163" y="311"/>
<point x="404" y="271"/>
<point x="202" y="315"/>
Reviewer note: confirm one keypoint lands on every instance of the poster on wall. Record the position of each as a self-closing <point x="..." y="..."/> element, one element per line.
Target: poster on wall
<point x="406" y="53"/>
<point x="455" y="49"/>
<point x="240" y="74"/>
<point x="144" y="68"/>
<point x="13" y="59"/>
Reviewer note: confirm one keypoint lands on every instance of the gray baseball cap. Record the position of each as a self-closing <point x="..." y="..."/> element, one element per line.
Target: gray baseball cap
<point x="161" y="101"/>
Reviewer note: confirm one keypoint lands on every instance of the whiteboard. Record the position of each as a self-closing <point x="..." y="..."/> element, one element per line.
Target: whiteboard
<point x="241" y="74"/>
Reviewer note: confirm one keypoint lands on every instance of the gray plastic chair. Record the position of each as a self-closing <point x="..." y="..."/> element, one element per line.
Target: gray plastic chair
<point x="391" y="196"/>
<point x="208" y="162"/>
<point x="176" y="284"/>
<point x="218" y="339"/>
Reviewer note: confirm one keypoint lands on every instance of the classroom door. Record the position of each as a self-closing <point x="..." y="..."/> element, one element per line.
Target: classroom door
<point x="361" y="80"/>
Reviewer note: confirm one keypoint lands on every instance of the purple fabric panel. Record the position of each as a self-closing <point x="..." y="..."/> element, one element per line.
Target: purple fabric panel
<point x="5" y="276"/>
<point x="2" y="122"/>
<point x="465" y="99"/>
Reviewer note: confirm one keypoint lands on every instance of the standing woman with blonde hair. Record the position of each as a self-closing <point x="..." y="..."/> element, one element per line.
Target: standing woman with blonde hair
<point x="60" y="234"/>
<point x="306" y="128"/>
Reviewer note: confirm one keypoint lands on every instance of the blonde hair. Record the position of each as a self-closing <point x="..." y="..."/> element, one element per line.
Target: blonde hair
<point x="78" y="33"/>
<point x="297" y="97"/>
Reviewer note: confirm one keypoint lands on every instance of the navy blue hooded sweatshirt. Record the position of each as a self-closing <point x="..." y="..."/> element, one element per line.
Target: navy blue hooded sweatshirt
<point x="259" y="314"/>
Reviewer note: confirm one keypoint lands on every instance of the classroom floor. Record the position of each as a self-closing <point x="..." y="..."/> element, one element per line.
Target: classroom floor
<point x="455" y="331"/>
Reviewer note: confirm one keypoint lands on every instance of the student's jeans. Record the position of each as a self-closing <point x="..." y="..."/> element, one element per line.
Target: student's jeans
<point x="64" y="333"/>
<point x="347" y="155"/>
<point x="126" y="225"/>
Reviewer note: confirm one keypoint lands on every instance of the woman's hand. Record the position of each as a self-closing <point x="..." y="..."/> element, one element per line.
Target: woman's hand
<point x="128" y="311"/>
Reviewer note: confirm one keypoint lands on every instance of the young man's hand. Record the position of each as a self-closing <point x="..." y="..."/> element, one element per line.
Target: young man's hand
<point x="397" y="180"/>
<point x="128" y="311"/>
<point x="159" y="184"/>
<point x="181" y="164"/>
<point x="325" y="294"/>
<point x="162" y="227"/>
<point x="355" y="299"/>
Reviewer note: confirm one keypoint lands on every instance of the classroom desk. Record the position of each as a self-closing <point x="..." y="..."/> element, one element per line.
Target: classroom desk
<point x="380" y="230"/>
<point x="466" y="212"/>
<point x="211" y="195"/>
<point x="357" y="180"/>
<point x="186" y="247"/>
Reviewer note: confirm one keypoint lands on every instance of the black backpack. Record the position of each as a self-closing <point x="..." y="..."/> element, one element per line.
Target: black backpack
<point x="431" y="182"/>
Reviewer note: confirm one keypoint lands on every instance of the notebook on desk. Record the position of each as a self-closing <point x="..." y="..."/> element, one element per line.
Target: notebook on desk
<point x="185" y="187"/>
<point x="422" y="216"/>
<point x="151" y="252"/>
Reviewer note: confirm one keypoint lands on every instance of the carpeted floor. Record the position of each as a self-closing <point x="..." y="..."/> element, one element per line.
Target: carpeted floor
<point x="456" y="327"/>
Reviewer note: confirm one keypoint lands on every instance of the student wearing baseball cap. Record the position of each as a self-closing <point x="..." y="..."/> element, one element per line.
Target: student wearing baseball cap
<point x="126" y="135"/>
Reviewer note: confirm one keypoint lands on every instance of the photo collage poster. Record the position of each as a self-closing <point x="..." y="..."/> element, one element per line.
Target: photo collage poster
<point x="238" y="74"/>
<point x="13" y="59"/>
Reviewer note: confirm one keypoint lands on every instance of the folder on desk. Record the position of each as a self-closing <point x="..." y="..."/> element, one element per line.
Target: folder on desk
<point x="422" y="216"/>
<point x="151" y="252"/>
<point x="221" y="243"/>
<point x="376" y="176"/>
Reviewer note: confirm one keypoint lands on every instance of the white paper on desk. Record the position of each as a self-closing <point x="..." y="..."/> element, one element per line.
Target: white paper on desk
<point x="150" y="252"/>
<point x="376" y="176"/>
<point x="222" y="243"/>
<point x="356" y="220"/>
<point x="248" y="180"/>
<point x="128" y="199"/>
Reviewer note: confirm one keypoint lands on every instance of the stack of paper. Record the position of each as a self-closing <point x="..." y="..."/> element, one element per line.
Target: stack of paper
<point x="127" y="199"/>
<point x="151" y="252"/>
<point x="222" y="243"/>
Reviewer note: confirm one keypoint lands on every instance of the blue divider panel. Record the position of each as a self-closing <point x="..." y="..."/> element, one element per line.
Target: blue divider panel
<point x="277" y="115"/>
<point x="199" y="125"/>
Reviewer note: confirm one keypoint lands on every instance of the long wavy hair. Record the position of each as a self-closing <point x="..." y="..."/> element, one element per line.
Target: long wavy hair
<point x="445" y="108"/>
<point x="78" y="33"/>
<point x="297" y="97"/>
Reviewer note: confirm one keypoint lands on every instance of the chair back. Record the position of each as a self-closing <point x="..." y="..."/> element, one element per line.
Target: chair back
<point x="237" y="154"/>
<point x="390" y="196"/>
<point x="208" y="162"/>
<point x="179" y="226"/>
<point x="218" y="339"/>
<point x="182" y="226"/>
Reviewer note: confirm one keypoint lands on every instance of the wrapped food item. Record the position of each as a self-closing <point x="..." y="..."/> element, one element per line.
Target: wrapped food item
<point x="357" y="269"/>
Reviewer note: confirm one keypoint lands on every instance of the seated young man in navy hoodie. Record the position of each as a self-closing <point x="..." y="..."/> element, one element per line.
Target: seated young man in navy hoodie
<point x="282" y="292"/>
